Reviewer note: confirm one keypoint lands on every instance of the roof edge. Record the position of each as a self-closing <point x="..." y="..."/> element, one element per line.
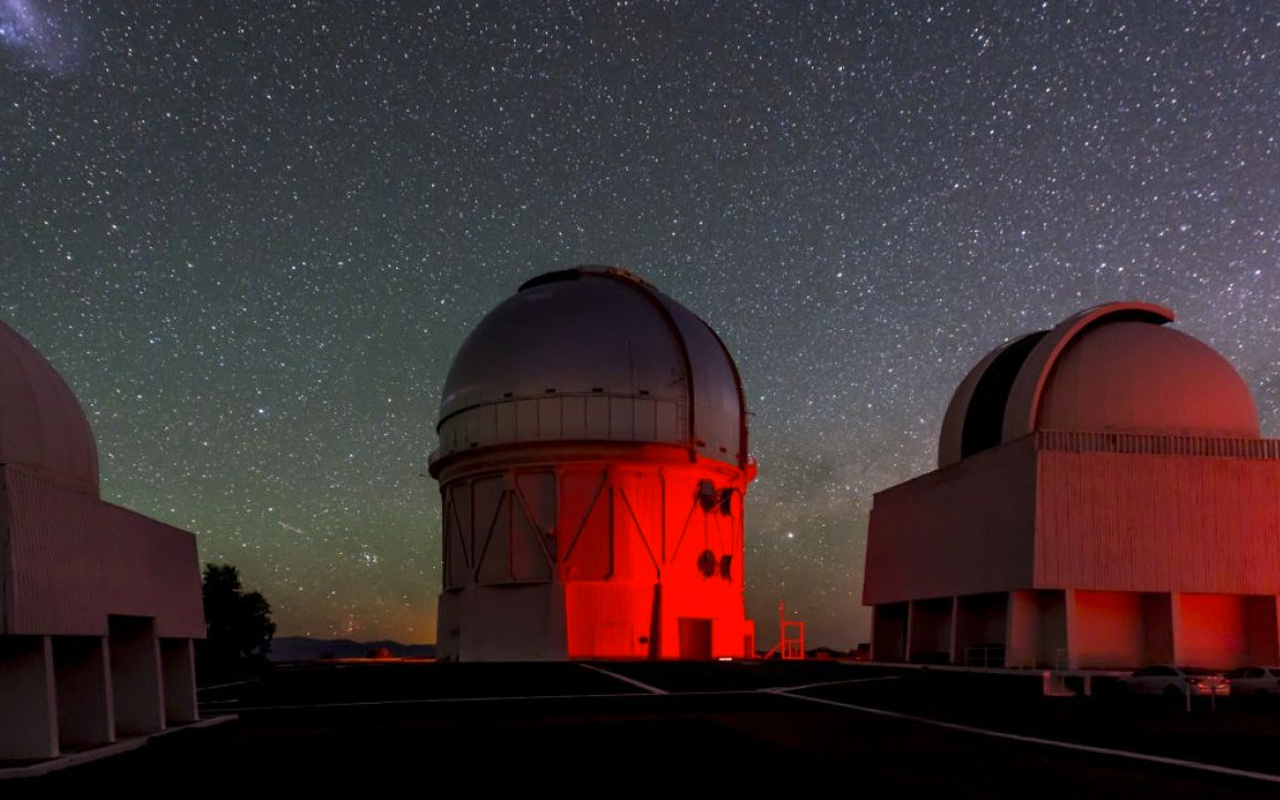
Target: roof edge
<point x="1023" y="409"/>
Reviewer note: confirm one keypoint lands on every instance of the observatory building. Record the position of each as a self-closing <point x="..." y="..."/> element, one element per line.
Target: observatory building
<point x="98" y="605"/>
<point x="592" y="466"/>
<point x="1103" y="498"/>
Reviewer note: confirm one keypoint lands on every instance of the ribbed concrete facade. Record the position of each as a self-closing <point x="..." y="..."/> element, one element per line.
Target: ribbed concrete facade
<point x="1086" y="548"/>
<point x="98" y="605"/>
<point x="70" y="557"/>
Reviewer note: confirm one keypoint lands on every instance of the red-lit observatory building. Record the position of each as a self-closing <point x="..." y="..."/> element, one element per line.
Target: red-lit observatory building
<point x="98" y="604"/>
<point x="1103" y="499"/>
<point x="592" y="466"/>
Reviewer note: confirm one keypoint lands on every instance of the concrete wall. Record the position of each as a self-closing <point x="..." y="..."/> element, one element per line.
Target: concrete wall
<point x="87" y="590"/>
<point x="1224" y="631"/>
<point x="633" y="538"/>
<point x="1108" y="629"/>
<point x="73" y="559"/>
<point x="1135" y="522"/>
<point x="981" y="623"/>
<point x="1262" y="629"/>
<point x="929" y="631"/>
<point x="63" y="694"/>
<point x="502" y="623"/>
<point x="1028" y="515"/>
<point x="889" y="632"/>
<point x="28" y="710"/>
<point x="615" y="620"/>
<point x="965" y="529"/>
<point x="1120" y="630"/>
<point x="1036" y="629"/>
<point x="1143" y="548"/>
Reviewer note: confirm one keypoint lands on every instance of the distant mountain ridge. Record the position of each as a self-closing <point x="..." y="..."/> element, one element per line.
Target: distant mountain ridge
<point x="304" y="648"/>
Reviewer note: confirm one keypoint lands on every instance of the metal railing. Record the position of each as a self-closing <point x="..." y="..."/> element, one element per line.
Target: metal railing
<point x="556" y="415"/>
<point x="1157" y="444"/>
<point x="988" y="657"/>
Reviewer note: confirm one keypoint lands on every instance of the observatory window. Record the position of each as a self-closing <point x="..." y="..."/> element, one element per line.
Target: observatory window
<point x="707" y="563"/>
<point x="708" y="497"/>
<point x="726" y="501"/>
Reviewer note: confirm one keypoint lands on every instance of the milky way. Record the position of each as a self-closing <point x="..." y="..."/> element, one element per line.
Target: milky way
<point x="39" y="36"/>
<point x="252" y="236"/>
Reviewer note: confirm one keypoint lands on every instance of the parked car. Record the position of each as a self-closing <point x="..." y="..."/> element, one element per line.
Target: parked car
<point x="1255" y="680"/>
<point x="1174" y="681"/>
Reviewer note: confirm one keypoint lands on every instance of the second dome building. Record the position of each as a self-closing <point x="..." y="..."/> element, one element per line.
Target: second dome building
<point x="1103" y="498"/>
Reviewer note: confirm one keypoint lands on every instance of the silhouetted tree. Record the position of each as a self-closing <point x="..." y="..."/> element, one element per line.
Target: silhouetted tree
<point x="238" y="623"/>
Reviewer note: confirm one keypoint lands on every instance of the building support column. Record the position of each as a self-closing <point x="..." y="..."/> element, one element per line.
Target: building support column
<point x="1022" y="633"/>
<point x="1175" y="627"/>
<point x="28" y="700"/>
<point x="911" y="620"/>
<point x="1276" y="627"/>
<point x="953" y="654"/>
<point x="875" y="623"/>
<point x="1073" y="633"/>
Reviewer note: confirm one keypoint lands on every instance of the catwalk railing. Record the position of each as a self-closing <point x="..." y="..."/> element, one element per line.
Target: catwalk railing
<point x="1157" y="444"/>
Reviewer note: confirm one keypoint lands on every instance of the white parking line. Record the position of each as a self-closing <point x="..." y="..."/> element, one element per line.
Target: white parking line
<point x="777" y="689"/>
<point x="422" y="701"/>
<point x="227" y="685"/>
<point x="625" y="679"/>
<point x="1085" y="748"/>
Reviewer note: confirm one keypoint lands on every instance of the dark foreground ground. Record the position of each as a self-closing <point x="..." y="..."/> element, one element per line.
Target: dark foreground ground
<point x="573" y="729"/>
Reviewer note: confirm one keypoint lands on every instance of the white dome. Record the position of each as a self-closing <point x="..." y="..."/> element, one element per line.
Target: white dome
<point x="1137" y="377"/>
<point x="1115" y="367"/>
<point x="593" y="354"/>
<point x="42" y="427"/>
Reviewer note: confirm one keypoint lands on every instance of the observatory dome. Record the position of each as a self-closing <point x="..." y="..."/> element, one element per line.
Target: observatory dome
<point x="42" y="427"/>
<point x="1113" y="368"/>
<point x="1133" y="376"/>
<point x="593" y="354"/>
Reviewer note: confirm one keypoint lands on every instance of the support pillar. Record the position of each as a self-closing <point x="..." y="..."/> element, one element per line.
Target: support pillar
<point x="1157" y="626"/>
<point x="906" y="645"/>
<point x="1175" y="627"/>
<point x="1274" y="628"/>
<point x="82" y="670"/>
<point x="952" y="654"/>
<point x="1074" y="621"/>
<point x="1022" y="632"/>
<point x="28" y="703"/>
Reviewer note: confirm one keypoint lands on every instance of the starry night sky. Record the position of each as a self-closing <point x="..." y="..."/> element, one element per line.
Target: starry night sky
<point x="251" y="236"/>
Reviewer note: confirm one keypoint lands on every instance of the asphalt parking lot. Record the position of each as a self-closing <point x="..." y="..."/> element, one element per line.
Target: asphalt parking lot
<point x="812" y="726"/>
